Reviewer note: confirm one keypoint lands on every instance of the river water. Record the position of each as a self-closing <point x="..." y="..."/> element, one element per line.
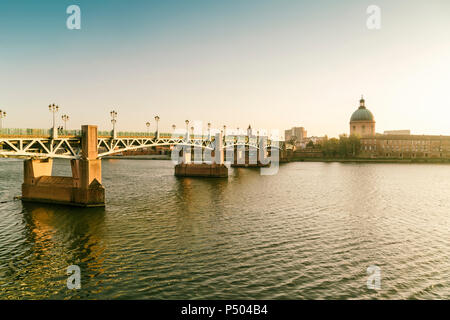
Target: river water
<point x="308" y="232"/>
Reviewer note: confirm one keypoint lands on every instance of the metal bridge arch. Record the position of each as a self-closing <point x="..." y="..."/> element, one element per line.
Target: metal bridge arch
<point x="69" y="147"/>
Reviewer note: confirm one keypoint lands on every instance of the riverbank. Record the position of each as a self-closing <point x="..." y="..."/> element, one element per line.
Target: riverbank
<point x="371" y="160"/>
<point x="346" y="160"/>
<point x="140" y="157"/>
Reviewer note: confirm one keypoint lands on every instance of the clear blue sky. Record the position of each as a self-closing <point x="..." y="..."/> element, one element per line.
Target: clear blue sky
<point x="274" y="64"/>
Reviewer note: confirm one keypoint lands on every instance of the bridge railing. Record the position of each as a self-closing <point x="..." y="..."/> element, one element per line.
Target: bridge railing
<point x="150" y="135"/>
<point x="32" y="132"/>
<point x="25" y="132"/>
<point x="45" y="133"/>
<point x="122" y="134"/>
<point x="104" y="133"/>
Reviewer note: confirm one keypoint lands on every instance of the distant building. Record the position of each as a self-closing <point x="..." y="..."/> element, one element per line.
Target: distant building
<point x="405" y="146"/>
<point x="298" y="132"/>
<point x="395" y="143"/>
<point x="398" y="132"/>
<point x="362" y="122"/>
<point x="304" y="143"/>
<point x="315" y="140"/>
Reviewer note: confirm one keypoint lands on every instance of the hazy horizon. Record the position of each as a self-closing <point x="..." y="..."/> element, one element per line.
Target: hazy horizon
<point x="271" y="64"/>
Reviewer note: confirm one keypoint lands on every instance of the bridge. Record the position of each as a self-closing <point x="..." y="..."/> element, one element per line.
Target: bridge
<point x="39" y="143"/>
<point x="197" y="155"/>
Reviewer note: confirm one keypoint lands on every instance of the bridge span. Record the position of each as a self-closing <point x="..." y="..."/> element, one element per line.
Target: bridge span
<point x="39" y="143"/>
<point x="85" y="148"/>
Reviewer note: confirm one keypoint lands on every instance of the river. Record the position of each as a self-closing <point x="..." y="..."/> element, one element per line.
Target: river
<point x="308" y="232"/>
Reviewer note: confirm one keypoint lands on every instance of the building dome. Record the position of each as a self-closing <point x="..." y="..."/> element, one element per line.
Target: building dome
<point x="362" y="114"/>
<point x="362" y="121"/>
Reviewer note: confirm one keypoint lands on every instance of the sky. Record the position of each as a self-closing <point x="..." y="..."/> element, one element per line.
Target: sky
<point x="272" y="64"/>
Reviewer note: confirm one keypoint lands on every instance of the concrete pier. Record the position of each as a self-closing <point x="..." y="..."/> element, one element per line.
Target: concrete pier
<point x="215" y="169"/>
<point x="201" y="170"/>
<point x="84" y="188"/>
<point x="246" y="157"/>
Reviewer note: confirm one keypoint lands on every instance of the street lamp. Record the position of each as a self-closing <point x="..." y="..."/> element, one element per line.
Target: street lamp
<point x="192" y="132"/>
<point x="157" y="127"/>
<point x="113" y="118"/>
<point x="54" y="109"/>
<point x="224" y="131"/>
<point x="187" y="129"/>
<point x="2" y="116"/>
<point x="113" y="121"/>
<point x="148" y="127"/>
<point x="65" y="118"/>
<point x="209" y="130"/>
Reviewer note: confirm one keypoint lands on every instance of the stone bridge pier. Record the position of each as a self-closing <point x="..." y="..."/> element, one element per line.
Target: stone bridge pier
<point x="84" y="188"/>
<point x="214" y="169"/>
<point x="246" y="156"/>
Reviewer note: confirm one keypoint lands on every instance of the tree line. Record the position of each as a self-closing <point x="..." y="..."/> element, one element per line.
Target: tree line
<point x="344" y="147"/>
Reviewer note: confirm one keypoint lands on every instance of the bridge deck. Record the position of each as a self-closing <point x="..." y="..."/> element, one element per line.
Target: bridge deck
<point x="39" y="142"/>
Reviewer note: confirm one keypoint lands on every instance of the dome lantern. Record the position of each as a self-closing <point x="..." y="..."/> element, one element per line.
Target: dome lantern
<point x="362" y="113"/>
<point x="362" y="103"/>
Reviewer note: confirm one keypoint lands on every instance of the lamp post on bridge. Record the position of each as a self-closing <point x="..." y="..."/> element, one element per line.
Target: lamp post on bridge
<point x="2" y="116"/>
<point x="192" y="133"/>
<point x="54" y="109"/>
<point x="113" y="121"/>
<point x="148" y="128"/>
<point x="187" y="130"/>
<point x="224" y="131"/>
<point x="157" y="127"/>
<point x="65" y="118"/>
<point x="209" y="131"/>
<point x="173" y="128"/>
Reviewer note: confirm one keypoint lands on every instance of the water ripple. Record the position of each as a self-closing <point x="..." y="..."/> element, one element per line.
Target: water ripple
<point x="309" y="232"/>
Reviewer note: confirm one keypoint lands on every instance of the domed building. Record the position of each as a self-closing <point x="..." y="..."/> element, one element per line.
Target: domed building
<point x="362" y="122"/>
<point x="394" y="144"/>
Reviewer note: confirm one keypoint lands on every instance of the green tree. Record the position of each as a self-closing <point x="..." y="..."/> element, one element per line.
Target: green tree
<point x="355" y="143"/>
<point x="293" y="140"/>
<point x="344" y="147"/>
<point x="330" y="147"/>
